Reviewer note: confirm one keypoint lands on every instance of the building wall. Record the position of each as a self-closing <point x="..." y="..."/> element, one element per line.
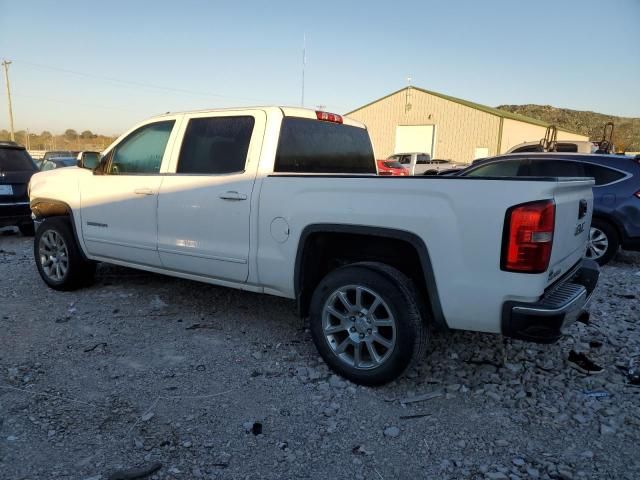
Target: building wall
<point x="515" y="132"/>
<point x="459" y="129"/>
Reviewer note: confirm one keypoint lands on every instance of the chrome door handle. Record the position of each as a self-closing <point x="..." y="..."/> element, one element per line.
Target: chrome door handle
<point x="232" y="196"/>
<point x="143" y="191"/>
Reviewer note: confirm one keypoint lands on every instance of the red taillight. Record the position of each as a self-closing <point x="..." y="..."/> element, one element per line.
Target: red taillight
<point x="528" y="237"/>
<point x="328" y="117"/>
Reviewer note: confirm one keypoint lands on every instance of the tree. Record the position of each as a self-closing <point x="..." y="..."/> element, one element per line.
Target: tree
<point x="70" y="134"/>
<point x="46" y="134"/>
<point x="87" y="134"/>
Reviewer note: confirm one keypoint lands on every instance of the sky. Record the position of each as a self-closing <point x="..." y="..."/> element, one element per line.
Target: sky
<point x="105" y="66"/>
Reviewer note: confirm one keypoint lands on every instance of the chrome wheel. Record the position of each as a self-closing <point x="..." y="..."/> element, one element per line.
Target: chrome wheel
<point x="359" y="327"/>
<point x="54" y="255"/>
<point x="598" y="243"/>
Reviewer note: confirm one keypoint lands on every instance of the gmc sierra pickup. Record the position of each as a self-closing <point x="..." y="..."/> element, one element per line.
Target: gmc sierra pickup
<point x="286" y="201"/>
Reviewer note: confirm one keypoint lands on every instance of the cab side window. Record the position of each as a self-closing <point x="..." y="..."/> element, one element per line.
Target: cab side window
<point x="142" y="151"/>
<point x="215" y="145"/>
<point x="423" y="159"/>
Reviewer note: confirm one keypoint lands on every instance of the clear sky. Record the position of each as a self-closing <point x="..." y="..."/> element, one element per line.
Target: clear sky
<point x="105" y="65"/>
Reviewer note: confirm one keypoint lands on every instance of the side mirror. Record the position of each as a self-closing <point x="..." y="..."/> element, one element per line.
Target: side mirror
<point x="88" y="160"/>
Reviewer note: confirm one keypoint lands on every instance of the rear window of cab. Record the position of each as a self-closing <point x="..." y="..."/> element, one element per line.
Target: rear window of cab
<point x="314" y="146"/>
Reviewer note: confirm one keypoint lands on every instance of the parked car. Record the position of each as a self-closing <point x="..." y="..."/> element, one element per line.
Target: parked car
<point x="16" y="169"/>
<point x="58" y="162"/>
<point x="391" y="168"/>
<point x="616" y="215"/>
<point x="561" y="146"/>
<point x="421" y="163"/>
<point x="286" y="201"/>
<point x="56" y="154"/>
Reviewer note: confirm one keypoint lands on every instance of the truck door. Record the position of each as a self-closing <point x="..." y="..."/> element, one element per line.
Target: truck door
<point x="118" y="202"/>
<point x="204" y="207"/>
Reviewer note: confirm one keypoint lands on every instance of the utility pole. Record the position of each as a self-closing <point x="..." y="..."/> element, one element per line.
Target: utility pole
<point x="6" y="64"/>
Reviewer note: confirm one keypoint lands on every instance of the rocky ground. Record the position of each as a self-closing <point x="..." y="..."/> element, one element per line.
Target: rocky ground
<point x="216" y="383"/>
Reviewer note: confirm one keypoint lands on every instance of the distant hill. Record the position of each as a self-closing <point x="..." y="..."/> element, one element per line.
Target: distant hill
<point x="626" y="133"/>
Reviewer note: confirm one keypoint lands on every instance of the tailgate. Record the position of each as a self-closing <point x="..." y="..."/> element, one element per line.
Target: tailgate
<point x="574" y="208"/>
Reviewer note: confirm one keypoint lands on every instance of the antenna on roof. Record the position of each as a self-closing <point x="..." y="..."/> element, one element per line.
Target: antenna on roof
<point x="407" y="99"/>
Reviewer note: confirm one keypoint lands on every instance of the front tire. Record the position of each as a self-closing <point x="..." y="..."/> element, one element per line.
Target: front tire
<point x="603" y="242"/>
<point x="58" y="256"/>
<point x="365" y="322"/>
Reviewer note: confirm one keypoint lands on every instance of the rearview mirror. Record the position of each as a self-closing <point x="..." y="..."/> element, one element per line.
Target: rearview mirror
<point x="88" y="160"/>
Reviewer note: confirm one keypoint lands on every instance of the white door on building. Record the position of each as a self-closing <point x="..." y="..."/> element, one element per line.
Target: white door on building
<point x="415" y="138"/>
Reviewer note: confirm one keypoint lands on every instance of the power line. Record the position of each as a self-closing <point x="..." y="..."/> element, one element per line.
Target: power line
<point x="139" y="84"/>
<point x="72" y="102"/>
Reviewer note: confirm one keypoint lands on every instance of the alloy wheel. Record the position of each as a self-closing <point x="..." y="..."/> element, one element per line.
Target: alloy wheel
<point x="359" y="327"/>
<point x="54" y="255"/>
<point x="598" y="243"/>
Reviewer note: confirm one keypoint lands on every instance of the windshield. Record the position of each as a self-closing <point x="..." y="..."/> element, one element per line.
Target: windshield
<point x="393" y="164"/>
<point x="15" y="160"/>
<point x="66" y="162"/>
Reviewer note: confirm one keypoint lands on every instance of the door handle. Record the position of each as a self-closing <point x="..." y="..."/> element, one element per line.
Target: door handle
<point x="143" y="191"/>
<point x="232" y="196"/>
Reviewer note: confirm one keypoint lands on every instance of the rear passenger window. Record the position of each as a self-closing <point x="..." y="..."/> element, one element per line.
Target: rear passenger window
<point x="512" y="168"/>
<point x="423" y="159"/>
<point x="557" y="168"/>
<point x="602" y="175"/>
<point x="215" y="145"/>
<point x="314" y="146"/>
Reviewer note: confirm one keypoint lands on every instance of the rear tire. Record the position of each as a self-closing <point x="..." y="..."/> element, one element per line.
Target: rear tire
<point x="603" y="242"/>
<point x="365" y="322"/>
<point x="58" y="257"/>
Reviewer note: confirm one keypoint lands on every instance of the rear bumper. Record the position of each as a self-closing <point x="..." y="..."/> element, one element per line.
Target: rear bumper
<point x="560" y="306"/>
<point x="14" y="213"/>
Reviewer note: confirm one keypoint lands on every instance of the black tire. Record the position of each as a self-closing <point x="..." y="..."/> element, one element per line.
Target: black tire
<point x="398" y="295"/>
<point x="79" y="272"/>
<point x="601" y="227"/>
<point x="27" y="229"/>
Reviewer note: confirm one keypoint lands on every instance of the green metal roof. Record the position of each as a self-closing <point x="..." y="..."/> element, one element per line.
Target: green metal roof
<point x="477" y="106"/>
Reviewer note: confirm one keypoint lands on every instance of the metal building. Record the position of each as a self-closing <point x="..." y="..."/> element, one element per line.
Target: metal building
<point x="418" y="120"/>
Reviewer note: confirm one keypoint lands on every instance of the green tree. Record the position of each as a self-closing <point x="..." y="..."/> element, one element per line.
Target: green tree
<point x="87" y="134"/>
<point x="70" y="134"/>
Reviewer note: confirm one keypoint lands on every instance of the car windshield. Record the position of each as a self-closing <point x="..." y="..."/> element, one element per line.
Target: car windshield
<point x="58" y="154"/>
<point x="66" y="162"/>
<point x="15" y="160"/>
<point x="393" y="164"/>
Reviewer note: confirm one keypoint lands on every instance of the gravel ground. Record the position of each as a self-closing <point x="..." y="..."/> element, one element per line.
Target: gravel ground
<point x="218" y="383"/>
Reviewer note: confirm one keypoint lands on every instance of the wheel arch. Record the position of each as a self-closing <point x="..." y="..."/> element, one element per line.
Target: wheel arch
<point x="43" y="208"/>
<point x="603" y="217"/>
<point x="317" y="255"/>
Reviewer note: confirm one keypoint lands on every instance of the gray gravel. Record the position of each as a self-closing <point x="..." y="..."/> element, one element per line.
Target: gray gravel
<point x="218" y="383"/>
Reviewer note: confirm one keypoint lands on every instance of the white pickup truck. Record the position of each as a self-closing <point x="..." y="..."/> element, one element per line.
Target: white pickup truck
<point x="286" y="201"/>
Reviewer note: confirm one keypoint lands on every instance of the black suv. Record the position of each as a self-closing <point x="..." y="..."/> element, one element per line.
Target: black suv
<point x="16" y="169"/>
